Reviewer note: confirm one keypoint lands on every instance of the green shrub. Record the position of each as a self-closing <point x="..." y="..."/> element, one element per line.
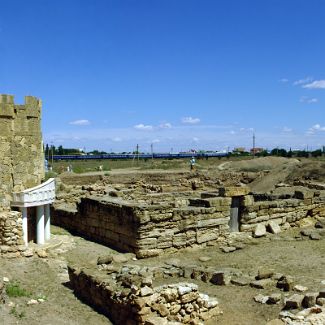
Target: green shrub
<point x="13" y="289"/>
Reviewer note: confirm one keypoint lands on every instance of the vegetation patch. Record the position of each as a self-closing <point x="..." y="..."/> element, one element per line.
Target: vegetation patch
<point x="13" y="290"/>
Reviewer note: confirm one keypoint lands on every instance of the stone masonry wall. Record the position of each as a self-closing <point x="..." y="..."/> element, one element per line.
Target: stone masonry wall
<point x="136" y="301"/>
<point x="147" y="230"/>
<point x="286" y="210"/>
<point x="21" y="147"/>
<point x="11" y="242"/>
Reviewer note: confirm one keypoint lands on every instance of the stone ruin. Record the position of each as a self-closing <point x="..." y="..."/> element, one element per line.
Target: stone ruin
<point x="21" y="168"/>
<point x="167" y="222"/>
<point x="154" y="215"/>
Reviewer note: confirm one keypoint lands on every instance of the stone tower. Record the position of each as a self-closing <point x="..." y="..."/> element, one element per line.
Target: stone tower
<point x="21" y="147"/>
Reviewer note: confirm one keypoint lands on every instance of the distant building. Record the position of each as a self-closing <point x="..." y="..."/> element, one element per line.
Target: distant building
<point x="239" y="150"/>
<point x="255" y="151"/>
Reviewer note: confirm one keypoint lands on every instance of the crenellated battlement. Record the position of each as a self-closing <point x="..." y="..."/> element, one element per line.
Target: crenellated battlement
<point x="21" y="148"/>
<point x="30" y="109"/>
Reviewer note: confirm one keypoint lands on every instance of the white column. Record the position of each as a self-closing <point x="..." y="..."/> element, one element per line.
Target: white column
<point x="40" y="225"/>
<point x="25" y="225"/>
<point x="47" y="225"/>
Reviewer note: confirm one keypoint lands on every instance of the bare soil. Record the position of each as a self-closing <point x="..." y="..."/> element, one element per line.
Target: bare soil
<point x="301" y="258"/>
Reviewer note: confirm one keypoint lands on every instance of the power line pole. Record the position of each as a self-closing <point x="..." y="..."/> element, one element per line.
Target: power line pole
<point x="138" y="154"/>
<point x="253" y="144"/>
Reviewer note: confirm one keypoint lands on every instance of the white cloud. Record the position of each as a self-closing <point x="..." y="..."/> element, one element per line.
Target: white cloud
<point x="302" y="81"/>
<point x="284" y="80"/>
<point x="232" y="132"/>
<point x="305" y="99"/>
<point x="286" y="129"/>
<point x="143" y="127"/>
<point x="195" y="139"/>
<point x="117" y="139"/>
<point x="315" y="128"/>
<point x="155" y="141"/>
<point x="80" y="122"/>
<point x="165" y="126"/>
<point x="190" y="120"/>
<point x="317" y="84"/>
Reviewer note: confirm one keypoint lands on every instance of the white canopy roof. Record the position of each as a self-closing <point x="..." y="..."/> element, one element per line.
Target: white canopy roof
<point x="35" y="196"/>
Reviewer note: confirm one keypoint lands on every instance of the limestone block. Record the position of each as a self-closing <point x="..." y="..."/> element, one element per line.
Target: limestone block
<point x="273" y="227"/>
<point x="310" y="299"/>
<point x="234" y="191"/>
<point x="202" y="237"/>
<point x="262" y="284"/>
<point x="260" y="230"/>
<point x="304" y="194"/>
<point x="221" y="278"/>
<point x="248" y="200"/>
<point x="294" y="301"/>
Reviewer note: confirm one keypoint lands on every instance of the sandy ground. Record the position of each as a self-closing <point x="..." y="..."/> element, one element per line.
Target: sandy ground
<point x="303" y="259"/>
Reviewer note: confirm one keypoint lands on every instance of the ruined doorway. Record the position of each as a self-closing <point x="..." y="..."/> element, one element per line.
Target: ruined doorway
<point x="234" y="214"/>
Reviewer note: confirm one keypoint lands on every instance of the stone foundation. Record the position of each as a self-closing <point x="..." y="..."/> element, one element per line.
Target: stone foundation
<point x="147" y="230"/>
<point x="285" y="210"/>
<point x="131" y="302"/>
<point x="11" y="234"/>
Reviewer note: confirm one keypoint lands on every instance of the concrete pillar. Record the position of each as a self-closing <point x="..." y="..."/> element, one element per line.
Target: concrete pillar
<point x="47" y="225"/>
<point x="25" y="225"/>
<point x="40" y="225"/>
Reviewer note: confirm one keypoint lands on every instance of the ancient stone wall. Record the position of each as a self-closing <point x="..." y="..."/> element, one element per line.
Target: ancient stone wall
<point x="11" y="242"/>
<point x="147" y="230"/>
<point x="21" y="148"/>
<point x="151" y="229"/>
<point x="285" y="211"/>
<point x="132" y="301"/>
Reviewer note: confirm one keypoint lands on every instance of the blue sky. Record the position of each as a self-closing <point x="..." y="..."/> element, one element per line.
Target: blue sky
<point x="179" y="74"/>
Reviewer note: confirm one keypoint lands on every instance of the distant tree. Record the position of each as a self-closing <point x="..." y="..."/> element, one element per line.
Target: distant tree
<point x="279" y="152"/>
<point x="317" y="153"/>
<point x="263" y="153"/>
<point x="60" y="150"/>
<point x="303" y="153"/>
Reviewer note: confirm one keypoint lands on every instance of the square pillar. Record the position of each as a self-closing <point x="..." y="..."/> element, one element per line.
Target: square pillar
<point x="40" y="225"/>
<point x="47" y="222"/>
<point x="25" y="225"/>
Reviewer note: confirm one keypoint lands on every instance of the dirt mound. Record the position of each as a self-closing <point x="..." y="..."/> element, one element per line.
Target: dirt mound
<point x="308" y="170"/>
<point x="256" y="165"/>
<point x="279" y="171"/>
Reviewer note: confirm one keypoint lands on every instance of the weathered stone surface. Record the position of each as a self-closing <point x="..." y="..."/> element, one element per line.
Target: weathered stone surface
<point x="300" y="288"/>
<point x="260" y="230"/>
<point x="273" y="227"/>
<point x="241" y="281"/>
<point x="221" y="278"/>
<point x="293" y="302"/>
<point x="204" y="258"/>
<point x="146" y="291"/>
<point x="274" y="298"/>
<point x="310" y="299"/>
<point x="262" y="284"/>
<point x="320" y="301"/>
<point x="104" y="259"/>
<point x="261" y="299"/>
<point x="285" y="283"/>
<point x="264" y="273"/>
<point x="21" y="147"/>
<point x="315" y="236"/>
<point x="228" y="249"/>
<point x="234" y="191"/>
